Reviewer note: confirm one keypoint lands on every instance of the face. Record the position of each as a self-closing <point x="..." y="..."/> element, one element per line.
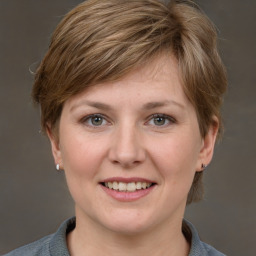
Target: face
<point x="130" y="150"/>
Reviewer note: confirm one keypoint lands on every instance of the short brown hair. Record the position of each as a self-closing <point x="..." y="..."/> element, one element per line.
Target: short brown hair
<point x="101" y="41"/>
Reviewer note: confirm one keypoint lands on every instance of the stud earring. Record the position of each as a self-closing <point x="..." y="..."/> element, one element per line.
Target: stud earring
<point x="57" y="167"/>
<point x="203" y="166"/>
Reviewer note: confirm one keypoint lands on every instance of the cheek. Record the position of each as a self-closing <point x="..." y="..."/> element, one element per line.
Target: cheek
<point x="82" y="159"/>
<point x="176" y="159"/>
<point x="81" y="155"/>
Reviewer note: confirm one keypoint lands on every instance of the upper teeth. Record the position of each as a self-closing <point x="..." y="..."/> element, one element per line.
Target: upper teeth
<point x="131" y="186"/>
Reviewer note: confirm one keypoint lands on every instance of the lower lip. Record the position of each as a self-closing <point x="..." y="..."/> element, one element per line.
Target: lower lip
<point x="127" y="196"/>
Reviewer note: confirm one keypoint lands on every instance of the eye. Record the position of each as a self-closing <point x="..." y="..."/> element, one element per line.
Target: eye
<point x="95" y="120"/>
<point x="161" y="120"/>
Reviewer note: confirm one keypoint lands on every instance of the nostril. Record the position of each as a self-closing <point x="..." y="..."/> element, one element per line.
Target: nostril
<point x="126" y="148"/>
<point x="125" y="162"/>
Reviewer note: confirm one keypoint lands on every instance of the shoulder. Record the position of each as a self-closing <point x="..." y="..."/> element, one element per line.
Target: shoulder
<point x="51" y="245"/>
<point x="38" y="248"/>
<point x="198" y="248"/>
<point x="211" y="251"/>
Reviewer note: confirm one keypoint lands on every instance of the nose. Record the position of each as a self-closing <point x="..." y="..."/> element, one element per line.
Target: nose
<point x="126" y="147"/>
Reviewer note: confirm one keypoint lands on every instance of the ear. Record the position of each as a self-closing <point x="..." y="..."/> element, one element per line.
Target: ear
<point x="54" y="140"/>
<point x="208" y="143"/>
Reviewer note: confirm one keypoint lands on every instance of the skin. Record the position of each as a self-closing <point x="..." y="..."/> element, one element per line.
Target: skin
<point x="130" y="142"/>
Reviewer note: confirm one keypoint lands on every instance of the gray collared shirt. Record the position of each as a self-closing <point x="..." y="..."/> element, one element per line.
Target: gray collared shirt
<point x="55" y="244"/>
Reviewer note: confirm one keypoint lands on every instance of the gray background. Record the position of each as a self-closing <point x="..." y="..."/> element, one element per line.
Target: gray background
<point x="33" y="197"/>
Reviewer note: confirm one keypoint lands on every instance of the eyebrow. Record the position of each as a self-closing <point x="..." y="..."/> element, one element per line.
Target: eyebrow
<point x="147" y="106"/>
<point x="156" y="104"/>
<point x="94" y="104"/>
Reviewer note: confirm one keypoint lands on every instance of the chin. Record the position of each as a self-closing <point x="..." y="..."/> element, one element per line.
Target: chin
<point x="128" y="229"/>
<point x="129" y="222"/>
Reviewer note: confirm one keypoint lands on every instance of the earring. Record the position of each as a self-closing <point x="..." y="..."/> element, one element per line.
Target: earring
<point x="203" y="166"/>
<point x="57" y="167"/>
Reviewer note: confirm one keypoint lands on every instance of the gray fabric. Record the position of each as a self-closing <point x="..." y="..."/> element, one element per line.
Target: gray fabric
<point x="55" y="244"/>
<point x="52" y="245"/>
<point x="198" y="247"/>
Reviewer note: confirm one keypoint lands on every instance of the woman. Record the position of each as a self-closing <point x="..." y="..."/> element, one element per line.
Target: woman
<point x="130" y="95"/>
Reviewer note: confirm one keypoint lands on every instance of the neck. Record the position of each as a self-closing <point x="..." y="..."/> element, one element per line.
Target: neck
<point x="88" y="239"/>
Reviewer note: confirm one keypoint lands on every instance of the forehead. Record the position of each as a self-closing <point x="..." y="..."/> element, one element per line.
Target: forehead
<point x="157" y="78"/>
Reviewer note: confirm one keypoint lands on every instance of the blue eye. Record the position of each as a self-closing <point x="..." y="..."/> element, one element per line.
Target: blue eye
<point x="161" y="120"/>
<point x="95" y="120"/>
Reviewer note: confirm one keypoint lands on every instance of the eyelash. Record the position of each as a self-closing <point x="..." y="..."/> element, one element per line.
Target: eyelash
<point x="88" y="119"/>
<point x="170" y="119"/>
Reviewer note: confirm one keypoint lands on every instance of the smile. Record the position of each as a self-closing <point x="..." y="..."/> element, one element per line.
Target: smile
<point x="127" y="187"/>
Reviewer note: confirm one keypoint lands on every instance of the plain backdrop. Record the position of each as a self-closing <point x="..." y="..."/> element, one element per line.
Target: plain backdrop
<point x="34" y="199"/>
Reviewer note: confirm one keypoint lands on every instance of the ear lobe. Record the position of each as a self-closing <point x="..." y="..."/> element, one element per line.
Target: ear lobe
<point x="54" y="145"/>
<point x="208" y="143"/>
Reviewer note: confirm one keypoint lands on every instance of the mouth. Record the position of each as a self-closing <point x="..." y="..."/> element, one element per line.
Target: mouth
<point x="122" y="186"/>
<point x="127" y="189"/>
